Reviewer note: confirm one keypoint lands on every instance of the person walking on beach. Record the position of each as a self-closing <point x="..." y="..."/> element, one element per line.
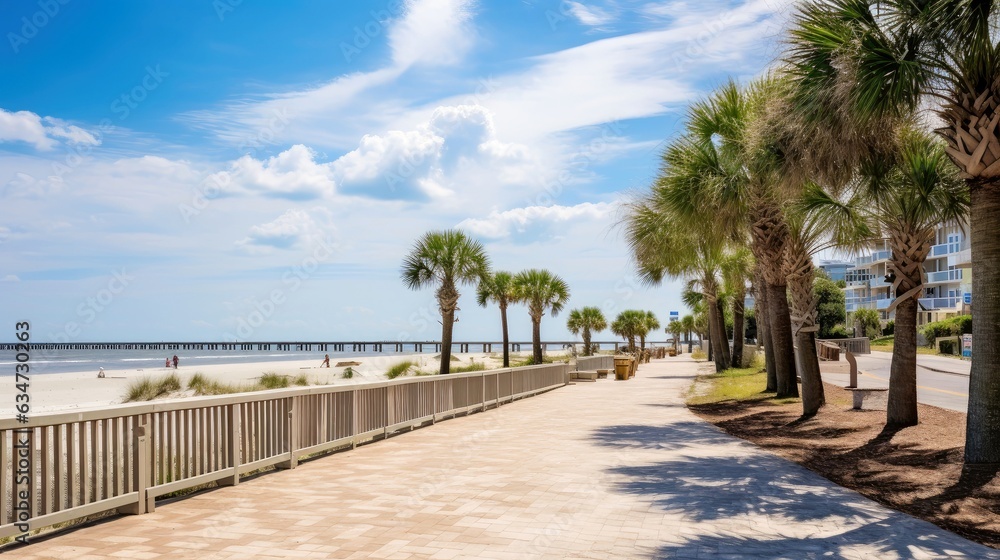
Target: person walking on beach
<point x="167" y="363"/>
<point x="175" y="361"/>
<point x="100" y="374"/>
<point x="326" y="361"/>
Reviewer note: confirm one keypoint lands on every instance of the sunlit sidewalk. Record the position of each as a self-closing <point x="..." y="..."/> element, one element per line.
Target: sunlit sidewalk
<point x="611" y="469"/>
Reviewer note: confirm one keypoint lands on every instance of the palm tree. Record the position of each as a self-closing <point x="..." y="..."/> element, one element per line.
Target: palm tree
<point x="446" y="259"/>
<point x="687" y="322"/>
<point x="540" y="290"/>
<point x="721" y="177"/>
<point x="587" y="321"/>
<point x="498" y="287"/>
<point x="628" y="324"/>
<point x="940" y="54"/>
<point x="676" y="329"/>
<point x="654" y="231"/>
<point x="903" y="199"/>
<point x="737" y="268"/>
<point x="649" y="324"/>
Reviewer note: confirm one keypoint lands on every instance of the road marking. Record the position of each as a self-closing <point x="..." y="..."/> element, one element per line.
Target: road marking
<point x="921" y="386"/>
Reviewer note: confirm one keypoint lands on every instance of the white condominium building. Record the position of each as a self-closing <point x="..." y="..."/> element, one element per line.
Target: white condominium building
<point x="947" y="283"/>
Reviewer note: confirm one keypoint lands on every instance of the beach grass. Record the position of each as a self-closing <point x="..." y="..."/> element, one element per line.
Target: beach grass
<point x="148" y="388"/>
<point x="348" y="373"/>
<point x="402" y="368"/>
<point x="474" y="366"/>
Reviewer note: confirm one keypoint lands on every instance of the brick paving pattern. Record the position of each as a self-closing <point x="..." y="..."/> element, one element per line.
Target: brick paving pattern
<point x="594" y="470"/>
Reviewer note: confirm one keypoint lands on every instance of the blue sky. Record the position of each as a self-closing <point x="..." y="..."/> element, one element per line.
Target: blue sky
<point x="251" y="170"/>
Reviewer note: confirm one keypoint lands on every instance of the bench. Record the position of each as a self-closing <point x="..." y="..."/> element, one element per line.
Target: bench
<point x="869" y="399"/>
<point x="583" y="375"/>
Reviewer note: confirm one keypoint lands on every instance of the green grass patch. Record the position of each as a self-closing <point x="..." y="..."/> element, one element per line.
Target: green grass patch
<point x="348" y="373"/>
<point x="203" y="386"/>
<point x="736" y="384"/>
<point x="271" y="380"/>
<point x="148" y="388"/>
<point x="474" y="366"/>
<point x="920" y="350"/>
<point x="301" y="380"/>
<point x="402" y="368"/>
<point x="530" y="361"/>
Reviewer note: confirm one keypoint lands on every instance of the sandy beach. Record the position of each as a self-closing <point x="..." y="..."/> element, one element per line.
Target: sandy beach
<point x="84" y="390"/>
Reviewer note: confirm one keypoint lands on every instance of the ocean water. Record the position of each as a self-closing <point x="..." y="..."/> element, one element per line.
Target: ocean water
<point x="63" y="361"/>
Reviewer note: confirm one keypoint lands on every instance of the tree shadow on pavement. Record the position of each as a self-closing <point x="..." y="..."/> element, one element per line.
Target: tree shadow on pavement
<point x="668" y="436"/>
<point x="757" y="505"/>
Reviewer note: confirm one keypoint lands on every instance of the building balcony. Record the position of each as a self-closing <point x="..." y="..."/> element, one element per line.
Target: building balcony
<point x="879" y="256"/>
<point x="941" y="303"/>
<point x="943" y="276"/>
<point x="882" y="304"/>
<point x="961" y="259"/>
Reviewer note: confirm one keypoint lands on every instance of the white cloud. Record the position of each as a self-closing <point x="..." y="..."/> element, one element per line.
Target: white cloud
<point x="589" y="15"/>
<point x="432" y="161"/>
<point x="10" y="278"/>
<point x="530" y="219"/>
<point x="292" y="174"/>
<point x="293" y="229"/>
<point x="28" y="127"/>
<point x="433" y="32"/>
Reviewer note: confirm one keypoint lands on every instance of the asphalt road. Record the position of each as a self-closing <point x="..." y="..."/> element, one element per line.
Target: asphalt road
<point x="942" y="382"/>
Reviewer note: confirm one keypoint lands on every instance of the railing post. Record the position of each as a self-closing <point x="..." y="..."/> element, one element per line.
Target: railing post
<point x="233" y="418"/>
<point x="434" y="403"/>
<point x="293" y="437"/>
<point x="354" y="418"/>
<point x="483" y="387"/>
<point x="140" y="472"/>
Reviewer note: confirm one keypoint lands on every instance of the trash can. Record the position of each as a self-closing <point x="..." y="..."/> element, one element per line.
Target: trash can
<point x="622" y="367"/>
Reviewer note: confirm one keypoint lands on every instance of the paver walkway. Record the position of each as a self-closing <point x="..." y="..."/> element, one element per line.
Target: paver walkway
<point x="595" y="470"/>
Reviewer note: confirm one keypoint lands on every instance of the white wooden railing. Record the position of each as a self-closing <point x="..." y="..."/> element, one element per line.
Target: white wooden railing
<point x="123" y="457"/>
<point x="591" y="363"/>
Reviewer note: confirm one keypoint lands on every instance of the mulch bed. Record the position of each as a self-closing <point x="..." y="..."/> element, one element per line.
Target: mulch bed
<point x="916" y="470"/>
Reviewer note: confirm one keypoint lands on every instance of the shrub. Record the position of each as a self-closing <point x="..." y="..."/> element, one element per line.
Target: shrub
<point x="698" y="354"/>
<point x="348" y="373"/>
<point x="750" y="357"/>
<point x="953" y="326"/>
<point x="889" y="329"/>
<point x="840" y="331"/>
<point x="402" y="368"/>
<point x="301" y="380"/>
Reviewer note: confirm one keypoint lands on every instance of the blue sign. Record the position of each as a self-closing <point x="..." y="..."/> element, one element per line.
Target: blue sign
<point x="967" y="298"/>
<point x="675" y="315"/>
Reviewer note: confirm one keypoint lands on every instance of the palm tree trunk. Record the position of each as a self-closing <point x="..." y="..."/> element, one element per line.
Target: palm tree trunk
<point x="982" y="434"/>
<point x="642" y="342"/>
<point x="902" y="407"/>
<point x="586" y="341"/>
<point x="909" y="250"/>
<point x="804" y="324"/>
<point x="536" y="340"/>
<point x="723" y="335"/>
<point x="447" y="323"/>
<point x="781" y="341"/>
<point x="738" y="335"/>
<point x="715" y="344"/>
<point x="690" y="341"/>
<point x="506" y="340"/>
